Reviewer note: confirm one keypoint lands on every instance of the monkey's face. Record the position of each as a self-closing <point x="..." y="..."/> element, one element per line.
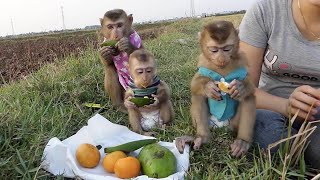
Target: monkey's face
<point x="114" y="30"/>
<point x="219" y="53"/>
<point x="142" y="72"/>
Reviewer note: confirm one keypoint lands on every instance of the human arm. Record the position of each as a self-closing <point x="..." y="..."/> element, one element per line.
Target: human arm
<point x="301" y="98"/>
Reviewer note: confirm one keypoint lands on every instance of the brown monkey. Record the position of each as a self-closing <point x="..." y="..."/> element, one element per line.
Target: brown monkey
<point x="146" y="84"/>
<point x="221" y="64"/>
<point x="116" y="26"/>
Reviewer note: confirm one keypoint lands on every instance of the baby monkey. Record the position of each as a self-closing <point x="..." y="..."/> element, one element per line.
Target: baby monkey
<point x="221" y="91"/>
<point x="147" y="97"/>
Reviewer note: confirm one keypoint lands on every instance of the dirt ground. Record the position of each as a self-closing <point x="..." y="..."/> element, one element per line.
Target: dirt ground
<point x="22" y="56"/>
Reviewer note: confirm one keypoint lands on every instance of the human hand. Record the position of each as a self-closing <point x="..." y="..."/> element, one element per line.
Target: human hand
<point x="302" y="98"/>
<point x="212" y="91"/>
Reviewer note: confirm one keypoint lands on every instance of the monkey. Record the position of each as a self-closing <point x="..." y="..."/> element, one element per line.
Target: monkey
<point x="220" y="62"/>
<point x="116" y="25"/>
<point x="145" y="83"/>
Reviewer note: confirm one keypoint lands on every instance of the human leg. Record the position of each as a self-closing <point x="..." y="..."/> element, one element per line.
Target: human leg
<point x="312" y="153"/>
<point x="270" y="127"/>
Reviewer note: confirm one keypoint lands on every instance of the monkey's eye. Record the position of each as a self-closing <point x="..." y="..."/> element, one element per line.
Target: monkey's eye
<point x="110" y="27"/>
<point x="120" y="25"/>
<point x="213" y="50"/>
<point x="227" y="48"/>
<point x="140" y="72"/>
<point x="149" y="71"/>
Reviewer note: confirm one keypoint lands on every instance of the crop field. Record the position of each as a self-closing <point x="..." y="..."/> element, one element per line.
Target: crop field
<point x="22" y="56"/>
<point x="45" y="81"/>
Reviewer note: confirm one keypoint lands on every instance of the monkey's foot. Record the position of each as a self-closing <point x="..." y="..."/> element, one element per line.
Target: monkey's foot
<point x="199" y="141"/>
<point x="239" y="147"/>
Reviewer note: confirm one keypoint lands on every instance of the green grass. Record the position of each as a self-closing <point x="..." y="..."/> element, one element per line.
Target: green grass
<point x="49" y="102"/>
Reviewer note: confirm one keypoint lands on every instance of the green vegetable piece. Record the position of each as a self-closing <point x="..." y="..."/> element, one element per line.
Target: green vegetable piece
<point x="141" y="101"/>
<point x="157" y="161"/>
<point x="111" y="43"/>
<point x="92" y="105"/>
<point x="130" y="146"/>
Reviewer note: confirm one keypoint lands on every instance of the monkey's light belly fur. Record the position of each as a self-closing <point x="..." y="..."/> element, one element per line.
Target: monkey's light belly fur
<point x="215" y="123"/>
<point x="150" y="120"/>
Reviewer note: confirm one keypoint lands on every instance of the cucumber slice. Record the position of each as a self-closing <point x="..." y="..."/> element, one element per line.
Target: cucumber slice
<point x="111" y="43"/>
<point x="130" y="146"/>
<point x="141" y="101"/>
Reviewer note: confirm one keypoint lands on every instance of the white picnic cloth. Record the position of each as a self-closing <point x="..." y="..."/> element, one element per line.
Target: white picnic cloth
<point x="59" y="156"/>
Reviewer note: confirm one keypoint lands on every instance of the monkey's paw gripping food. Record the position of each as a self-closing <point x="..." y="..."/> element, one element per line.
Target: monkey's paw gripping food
<point x="224" y="86"/>
<point x="112" y="44"/>
<point x="141" y="101"/>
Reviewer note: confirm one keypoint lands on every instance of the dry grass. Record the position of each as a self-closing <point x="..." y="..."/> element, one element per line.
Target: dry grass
<point x="294" y="150"/>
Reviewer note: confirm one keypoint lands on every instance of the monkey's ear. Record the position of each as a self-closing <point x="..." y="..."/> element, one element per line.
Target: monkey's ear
<point x="130" y="18"/>
<point x="101" y="21"/>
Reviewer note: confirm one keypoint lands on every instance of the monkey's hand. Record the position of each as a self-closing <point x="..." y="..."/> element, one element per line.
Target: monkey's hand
<point x="181" y="142"/>
<point x="155" y="103"/>
<point x="124" y="45"/>
<point x="237" y="90"/>
<point x="197" y="142"/>
<point x="212" y="91"/>
<point x="106" y="53"/>
<point x="129" y="104"/>
<point x="239" y="147"/>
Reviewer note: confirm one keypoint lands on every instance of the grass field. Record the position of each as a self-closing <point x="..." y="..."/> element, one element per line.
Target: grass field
<point x="48" y="104"/>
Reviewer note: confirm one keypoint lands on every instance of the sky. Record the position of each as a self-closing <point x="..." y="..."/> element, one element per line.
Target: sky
<point x="45" y="15"/>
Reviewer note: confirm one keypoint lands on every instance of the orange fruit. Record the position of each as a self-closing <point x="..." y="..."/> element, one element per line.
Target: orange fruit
<point x="110" y="160"/>
<point x="88" y="155"/>
<point x="223" y="86"/>
<point x="128" y="167"/>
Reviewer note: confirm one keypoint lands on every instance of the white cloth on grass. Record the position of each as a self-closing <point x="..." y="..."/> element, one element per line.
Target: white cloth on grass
<point x="59" y="156"/>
